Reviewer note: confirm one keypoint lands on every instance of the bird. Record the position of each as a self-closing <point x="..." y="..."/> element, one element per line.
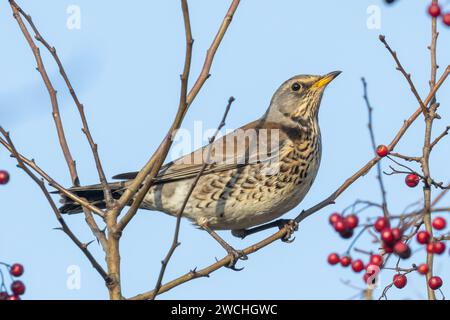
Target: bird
<point x="254" y="174"/>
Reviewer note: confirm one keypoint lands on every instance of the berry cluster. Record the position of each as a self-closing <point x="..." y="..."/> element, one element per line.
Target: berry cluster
<point x="344" y="225"/>
<point x="392" y="240"/>
<point x="17" y="287"/>
<point x="435" y="11"/>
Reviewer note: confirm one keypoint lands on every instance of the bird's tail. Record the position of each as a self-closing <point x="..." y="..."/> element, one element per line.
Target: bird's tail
<point x="93" y="193"/>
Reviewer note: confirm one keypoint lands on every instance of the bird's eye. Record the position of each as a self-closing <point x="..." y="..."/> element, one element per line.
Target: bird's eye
<point x="296" y="86"/>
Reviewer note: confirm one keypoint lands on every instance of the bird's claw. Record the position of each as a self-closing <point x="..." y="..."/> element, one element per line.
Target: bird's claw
<point x="291" y="227"/>
<point x="235" y="256"/>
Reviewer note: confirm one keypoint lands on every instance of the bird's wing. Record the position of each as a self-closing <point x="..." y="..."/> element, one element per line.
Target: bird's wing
<point x="254" y="143"/>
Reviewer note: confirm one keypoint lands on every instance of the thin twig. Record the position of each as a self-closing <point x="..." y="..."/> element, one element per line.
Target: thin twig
<point x="64" y="227"/>
<point x="79" y="105"/>
<point x="374" y="147"/>
<point x="406" y="75"/>
<point x="175" y="242"/>
<point x="442" y="135"/>
<point x="52" y="92"/>
<point x="152" y="167"/>
<point x="32" y="164"/>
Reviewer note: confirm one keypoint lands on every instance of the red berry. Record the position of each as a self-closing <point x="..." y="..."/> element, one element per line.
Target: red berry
<point x="3" y="295"/>
<point x="423" y="237"/>
<point x="340" y="226"/>
<point x="402" y="250"/>
<point x="434" y="10"/>
<point x="14" y="297"/>
<point x="352" y="221"/>
<point x="381" y="223"/>
<point x="400" y="280"/>
<point x="376" y="259"/>
<point x="435" y="283"/>
<point x="412" y="180"/>
<point x="4" y="177"/>
<point x="18" y="288"/>
<point x="439" y="223"/>
<point x="334" y="217"/>
<point x="345" y="261"/>
<point x="423" y="268"/>
<point x="446" y="19"/>
<point x="382" y="151"/>
<point x="387" y="236"/>
<point x="16" y="270"/>
<point x="357" y="265"/>
<point x="333" y="258"/>
<point x="438" y="247"/>
<point x="346" y="234"/>
<point x="397" y="233"/>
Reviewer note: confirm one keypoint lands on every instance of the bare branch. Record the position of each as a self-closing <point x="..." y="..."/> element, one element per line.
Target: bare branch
<point x="64" y="227"/>
<point x="175" y="242"/>
<point x="374" y="147"/>
<point x="406" y="75"/>
<point x="51" y="92"/>
<point x="151" y="169"/>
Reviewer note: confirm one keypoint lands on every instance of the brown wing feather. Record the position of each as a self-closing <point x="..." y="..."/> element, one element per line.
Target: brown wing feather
<point x="223" y="157"/>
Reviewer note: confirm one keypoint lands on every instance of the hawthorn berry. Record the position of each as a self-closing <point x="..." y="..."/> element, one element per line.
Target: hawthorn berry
<point x="397" y="233"/>
<point x="4" y="177"/>
<point x="435" y="282"/>
<point x="13" y="297"/>
<point x="412" y="180"/>
<point x="346" y="234"/>
<point x="423" y="237"/>
<point x="16" y="270"/>
<point x="446" y="19"/>
<point x="17" y="287"/>
<point x="387" y="236"/>
<point x="357" y="265"/>
<point x="346" y="261"/>
<point x="423" y="268"/>
<point x="402" y="250"/>
<point x="434" y="10"/>
<point x="439" y="223"/>
<point x="381" y="223"/>
<point x="340" y="226"/>
<point x="334" y="217"/>
<point x="382" y="151"/>
<point x="3" y="295"/>
<point x="351" y="221"/>
<point x="400" y="280"/>
<point x="376" y="259"/>
<point x="333" y="258"/>
<point x="438" y="247"/>
<point x="388" y="248"/>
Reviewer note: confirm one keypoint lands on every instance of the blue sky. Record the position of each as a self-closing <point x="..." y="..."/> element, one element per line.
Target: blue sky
<point x="125" y="63"/>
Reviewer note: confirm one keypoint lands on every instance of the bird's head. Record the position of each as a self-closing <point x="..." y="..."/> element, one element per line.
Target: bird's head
<point x="299" y="97"/>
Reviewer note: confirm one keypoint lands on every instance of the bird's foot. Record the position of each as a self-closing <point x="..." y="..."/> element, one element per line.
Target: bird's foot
<point x="291" y="226"/>
<point x="235" y="255"/>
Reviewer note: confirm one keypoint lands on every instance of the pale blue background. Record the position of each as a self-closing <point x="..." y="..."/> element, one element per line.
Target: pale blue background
<point x="125" y="64"/>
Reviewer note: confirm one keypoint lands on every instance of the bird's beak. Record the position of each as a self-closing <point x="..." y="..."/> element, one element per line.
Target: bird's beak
<point x="326" y="79"/>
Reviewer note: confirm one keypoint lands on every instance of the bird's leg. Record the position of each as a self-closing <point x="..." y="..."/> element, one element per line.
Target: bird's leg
<point x="233" y="253"/>
<point x="281" y="223"/>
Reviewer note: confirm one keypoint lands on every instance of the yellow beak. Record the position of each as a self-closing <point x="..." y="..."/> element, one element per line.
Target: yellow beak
<point x="326" y="79"/>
